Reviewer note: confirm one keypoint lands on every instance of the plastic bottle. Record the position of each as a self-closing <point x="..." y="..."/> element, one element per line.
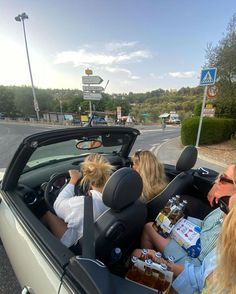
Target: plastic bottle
<point x="116" y="255"/>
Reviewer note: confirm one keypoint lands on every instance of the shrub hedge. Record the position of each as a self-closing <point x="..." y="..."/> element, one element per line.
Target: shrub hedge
<point x="214" y="130"/>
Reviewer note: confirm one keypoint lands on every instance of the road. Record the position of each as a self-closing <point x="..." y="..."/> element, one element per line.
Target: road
<point x="10" y="137"/>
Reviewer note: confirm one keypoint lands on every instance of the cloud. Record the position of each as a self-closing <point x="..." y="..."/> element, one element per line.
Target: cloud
<point x="158" y="77"/>
<point x="120" y="45"/>
<point x="86" y="58"/>
<point x="184" y="74"/>
<point x="121" y="70"/>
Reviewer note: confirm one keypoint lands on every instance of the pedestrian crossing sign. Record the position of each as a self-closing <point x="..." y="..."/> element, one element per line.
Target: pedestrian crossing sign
<point x="208" y="76"/>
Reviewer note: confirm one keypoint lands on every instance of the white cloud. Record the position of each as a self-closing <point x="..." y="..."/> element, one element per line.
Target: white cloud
<point x="135" y="78"/>
<point x="121" y="70"/>
<point x="84" y="57"/>
<point x="120" y="45"/>
<point x="184" y="74"/>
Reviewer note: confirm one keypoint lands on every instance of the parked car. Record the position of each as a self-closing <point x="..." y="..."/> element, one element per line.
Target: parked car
<point x="2" y="115"/>
<point x="97" y="120"/>
<point x="38" y="171"/>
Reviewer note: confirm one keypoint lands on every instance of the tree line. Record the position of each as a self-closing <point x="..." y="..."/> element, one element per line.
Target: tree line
<point x="18" y="101"/>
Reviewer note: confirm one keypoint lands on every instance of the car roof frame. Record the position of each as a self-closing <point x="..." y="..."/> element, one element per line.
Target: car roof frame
<point x="32" y="142"/>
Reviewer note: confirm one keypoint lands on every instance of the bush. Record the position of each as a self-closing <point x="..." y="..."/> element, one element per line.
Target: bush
<point x="214" y="130"/>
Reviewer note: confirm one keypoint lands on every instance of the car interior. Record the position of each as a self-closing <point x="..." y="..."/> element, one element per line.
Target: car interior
<point x="121" y="225"/>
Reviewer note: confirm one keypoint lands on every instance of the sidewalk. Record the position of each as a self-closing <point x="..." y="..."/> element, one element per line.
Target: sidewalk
<point x="170" y="151"/>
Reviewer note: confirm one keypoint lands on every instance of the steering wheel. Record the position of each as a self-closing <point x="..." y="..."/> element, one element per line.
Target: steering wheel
<point x="51" y="191"/>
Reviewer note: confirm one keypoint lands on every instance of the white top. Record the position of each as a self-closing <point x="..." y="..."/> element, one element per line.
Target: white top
<point x="71" y="209"/>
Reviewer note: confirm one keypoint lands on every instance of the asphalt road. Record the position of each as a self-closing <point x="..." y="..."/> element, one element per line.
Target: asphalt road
<point x="10" y="137"/>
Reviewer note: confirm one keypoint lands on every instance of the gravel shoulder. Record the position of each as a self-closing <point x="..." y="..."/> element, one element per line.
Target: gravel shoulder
<point x="224" y="153"/>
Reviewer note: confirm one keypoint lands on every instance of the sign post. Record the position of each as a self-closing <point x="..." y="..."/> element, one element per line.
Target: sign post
<point x="91" y="93"/>
<point x="208" y="77"/>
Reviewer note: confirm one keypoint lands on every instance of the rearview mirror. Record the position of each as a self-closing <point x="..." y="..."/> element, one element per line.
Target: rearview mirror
<point x="89" y="144"/>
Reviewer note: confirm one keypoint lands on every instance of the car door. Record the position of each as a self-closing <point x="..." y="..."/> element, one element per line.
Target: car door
<point x="37" y="264"/>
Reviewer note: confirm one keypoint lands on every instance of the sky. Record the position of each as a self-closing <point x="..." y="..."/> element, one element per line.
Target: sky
<point x="136" y="45"/>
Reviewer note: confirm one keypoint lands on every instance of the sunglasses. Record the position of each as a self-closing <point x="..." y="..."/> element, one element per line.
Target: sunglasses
<point x="224" y="204"/>
<point x="222" y="178"/>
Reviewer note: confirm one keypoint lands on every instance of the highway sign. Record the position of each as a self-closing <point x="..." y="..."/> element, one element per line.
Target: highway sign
<point x="92" y="96"/>
<point x="93" y="88"/>
<point x="91" y="80"/>
<point x="208" y="76"/>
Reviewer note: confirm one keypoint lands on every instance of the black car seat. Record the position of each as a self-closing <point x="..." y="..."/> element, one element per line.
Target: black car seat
<point x="181" y="184"/>
<point x="121" y="225"/>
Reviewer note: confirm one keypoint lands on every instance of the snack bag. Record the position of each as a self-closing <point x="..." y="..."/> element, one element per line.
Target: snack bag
<point x="187" y="235"/>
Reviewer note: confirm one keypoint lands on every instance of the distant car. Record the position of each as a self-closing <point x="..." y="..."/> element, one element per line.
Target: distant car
<point x="2" y="115"/>
<point x="77" y="122"/>
<point x="99" y="121"/>
<point x="176" y="121"/>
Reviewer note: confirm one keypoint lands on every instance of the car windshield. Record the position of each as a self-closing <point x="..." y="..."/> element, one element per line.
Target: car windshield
<point x="53" y="153"/>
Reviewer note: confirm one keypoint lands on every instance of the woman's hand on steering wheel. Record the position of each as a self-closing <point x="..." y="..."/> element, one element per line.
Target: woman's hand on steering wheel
<point x="75" y="176"/>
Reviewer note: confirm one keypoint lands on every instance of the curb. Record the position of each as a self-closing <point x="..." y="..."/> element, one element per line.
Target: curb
<point x="200" y="156"/>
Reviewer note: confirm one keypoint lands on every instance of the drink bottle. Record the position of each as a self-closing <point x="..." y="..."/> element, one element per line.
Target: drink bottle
<point x="160" y="217"/>
<point x="158" y="257"/>
<point x="174" y="200"/>
<point x="116" y="255"/>
<point x="170" y="260"/>
<point x="134" y="273"/>
<point x="176" y="214"/>
<point x="162" y="280"/>
<point x="148" y="278"/>
<point x="144" y="254"/>
<point x="167" y="208"/>
<point x="177" y="199"/>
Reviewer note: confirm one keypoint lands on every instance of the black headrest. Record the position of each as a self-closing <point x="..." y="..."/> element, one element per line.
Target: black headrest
<point x="187" y="158"/>
<point x="122" y="188"/>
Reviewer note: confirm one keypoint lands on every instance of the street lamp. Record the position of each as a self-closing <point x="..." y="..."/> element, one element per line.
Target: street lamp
<point x="22" y="17"/>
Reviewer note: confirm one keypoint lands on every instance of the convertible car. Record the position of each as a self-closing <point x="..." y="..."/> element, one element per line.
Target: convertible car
<point x="98" y="263"/>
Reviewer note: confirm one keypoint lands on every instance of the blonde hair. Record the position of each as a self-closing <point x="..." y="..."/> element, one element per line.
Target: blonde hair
<point x="152" y="173"/>
<point x="225" y="272"/>
<point x="96" y="170"/>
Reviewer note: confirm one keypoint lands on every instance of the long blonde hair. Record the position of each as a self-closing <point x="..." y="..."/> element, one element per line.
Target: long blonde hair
<point x="225" y="273"/>
<point x="152" y="173"/>
<point x="96" y="170"/>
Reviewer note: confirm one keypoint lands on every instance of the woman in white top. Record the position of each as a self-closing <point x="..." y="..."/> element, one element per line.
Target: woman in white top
<point x="68" y="224"/>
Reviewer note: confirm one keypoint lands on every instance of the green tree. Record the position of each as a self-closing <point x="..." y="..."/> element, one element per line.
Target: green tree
<point x="7" y="104"/>
<point x="223" y="57"/>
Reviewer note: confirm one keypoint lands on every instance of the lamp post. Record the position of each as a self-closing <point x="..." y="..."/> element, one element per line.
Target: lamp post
<point x="22" y="17"/>
<point x="60" y="106"/>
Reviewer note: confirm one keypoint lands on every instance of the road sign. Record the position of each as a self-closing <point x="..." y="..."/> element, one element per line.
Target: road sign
<point x="93" y="88"/>
<point x="210" y="112"/>
<point x="92" y="96"/>
<point x="91" y="80"/>
<point x="212" y="91"/>
<point x="208" y="76"/>
<point x="88" y="72"/>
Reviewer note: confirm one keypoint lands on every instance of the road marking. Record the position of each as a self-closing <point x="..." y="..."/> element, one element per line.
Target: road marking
<point x="155" y="130"/>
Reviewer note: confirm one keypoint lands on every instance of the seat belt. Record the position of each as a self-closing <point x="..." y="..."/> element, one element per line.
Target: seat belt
<point x="88" y="241"/>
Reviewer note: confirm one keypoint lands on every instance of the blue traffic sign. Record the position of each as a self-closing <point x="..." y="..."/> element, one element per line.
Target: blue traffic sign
<point x="208" y="76"/>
